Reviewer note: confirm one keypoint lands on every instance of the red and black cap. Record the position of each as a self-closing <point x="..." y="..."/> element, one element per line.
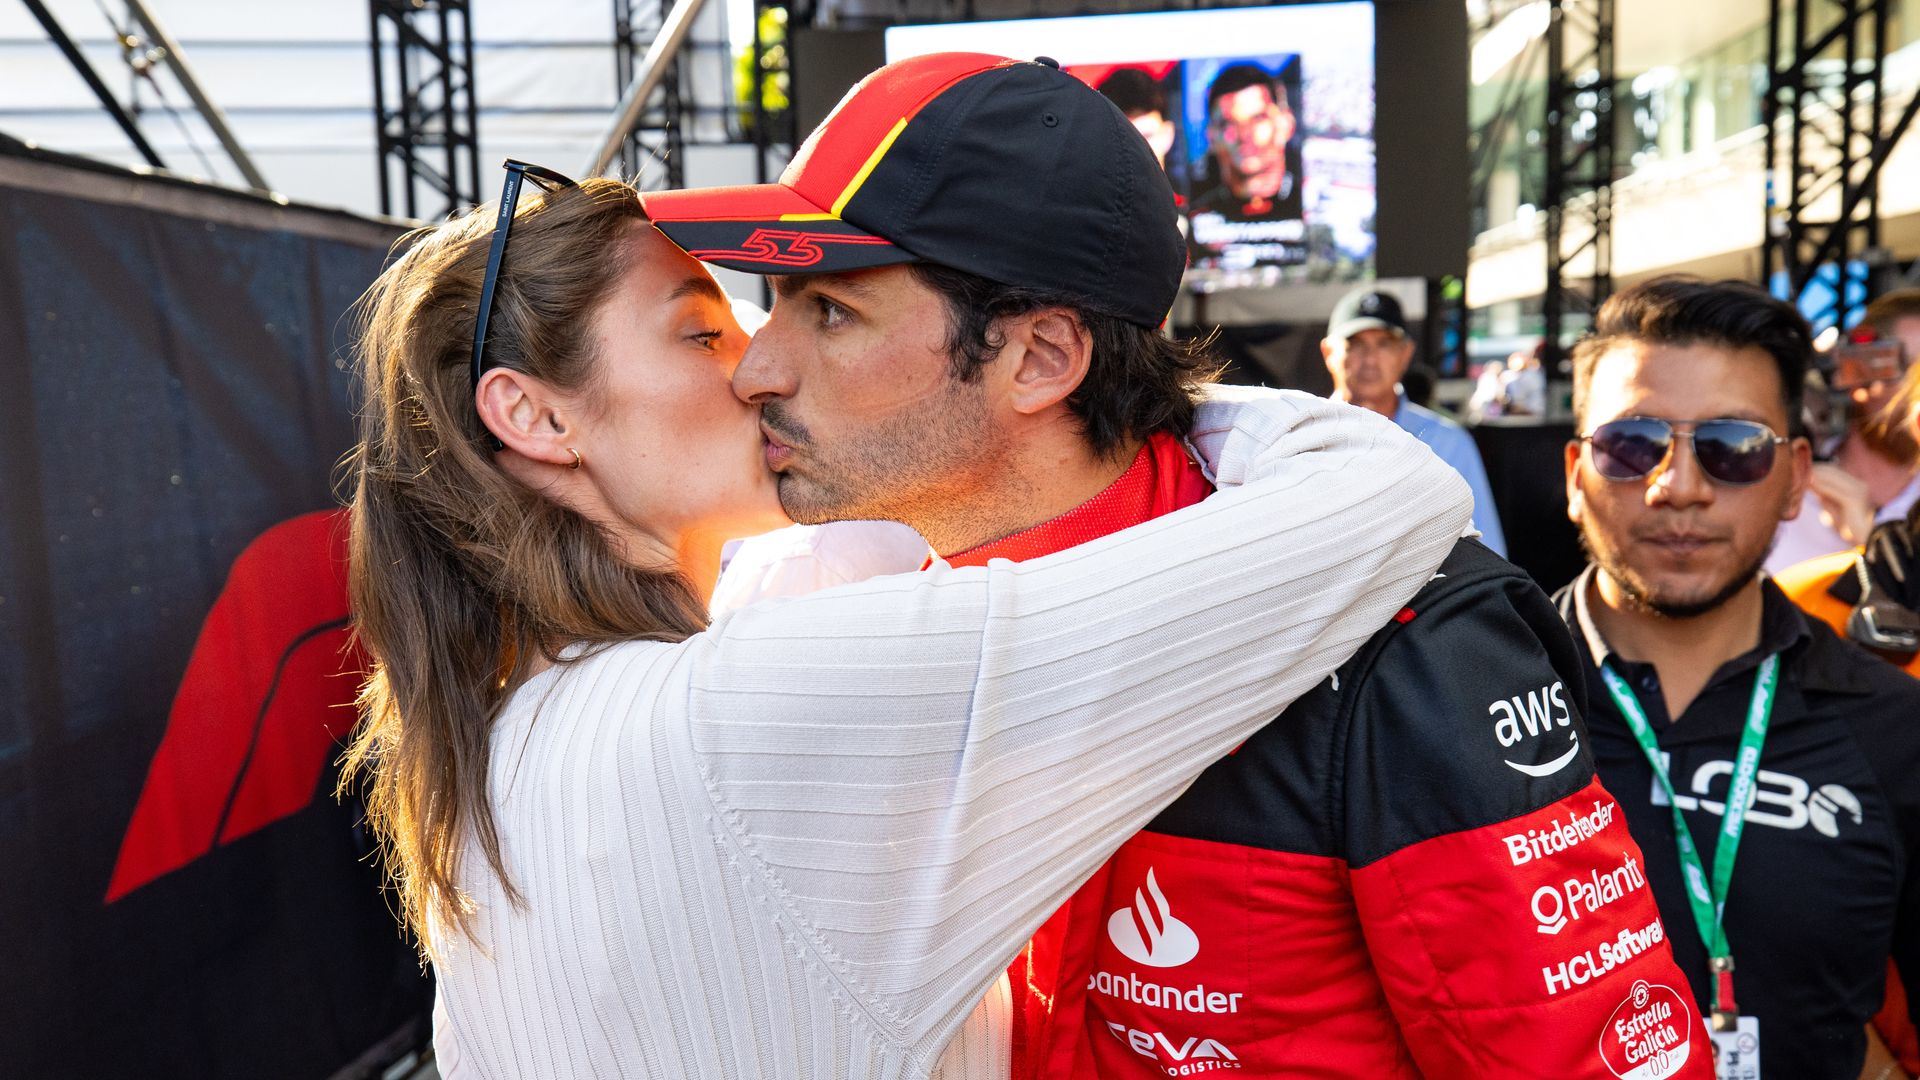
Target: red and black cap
<point x="1014" y="171"/>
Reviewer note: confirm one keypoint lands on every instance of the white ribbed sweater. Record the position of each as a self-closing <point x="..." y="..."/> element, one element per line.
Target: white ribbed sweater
<point x="807" y="842"/>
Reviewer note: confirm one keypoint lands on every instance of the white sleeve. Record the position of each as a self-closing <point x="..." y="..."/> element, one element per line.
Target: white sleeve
<point x="801" y="559"/>
<point x="923" y="767"/>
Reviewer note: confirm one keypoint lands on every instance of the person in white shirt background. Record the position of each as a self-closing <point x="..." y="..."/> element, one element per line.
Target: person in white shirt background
<point x="1872" y="473"/>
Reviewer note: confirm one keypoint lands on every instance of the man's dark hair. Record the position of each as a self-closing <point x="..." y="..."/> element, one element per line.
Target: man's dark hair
<point x="1237" y="77"/>
<point x="1134" y="92"/>
<point x="1138" y="382"/>
<point x="1683" y="310"/>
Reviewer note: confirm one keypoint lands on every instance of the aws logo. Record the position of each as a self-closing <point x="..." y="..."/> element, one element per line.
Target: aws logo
<point x="1537" y="715"/>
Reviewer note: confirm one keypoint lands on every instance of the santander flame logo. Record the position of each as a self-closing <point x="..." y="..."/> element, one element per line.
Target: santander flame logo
<point x="1152" y="936"/>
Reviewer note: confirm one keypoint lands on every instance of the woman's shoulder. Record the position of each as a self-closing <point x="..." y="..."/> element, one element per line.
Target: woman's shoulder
<point x="593" y="679"/>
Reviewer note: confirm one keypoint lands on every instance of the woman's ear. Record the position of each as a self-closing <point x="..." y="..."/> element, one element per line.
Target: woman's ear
<point x="525" y="415"/>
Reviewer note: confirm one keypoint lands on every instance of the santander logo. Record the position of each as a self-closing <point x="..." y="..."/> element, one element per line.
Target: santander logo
<point x="1151" y="935"/>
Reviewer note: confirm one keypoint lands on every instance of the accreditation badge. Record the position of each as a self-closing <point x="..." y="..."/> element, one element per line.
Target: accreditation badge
<point x="1736" y="1053"/>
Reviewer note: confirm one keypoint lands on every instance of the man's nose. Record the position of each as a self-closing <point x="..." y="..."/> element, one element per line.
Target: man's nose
<point x="1679" y="481"/>
<point x="763" y="372"/>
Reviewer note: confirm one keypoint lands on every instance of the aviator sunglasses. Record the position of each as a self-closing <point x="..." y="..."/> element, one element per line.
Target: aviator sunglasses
<point x="1734" y="452"/>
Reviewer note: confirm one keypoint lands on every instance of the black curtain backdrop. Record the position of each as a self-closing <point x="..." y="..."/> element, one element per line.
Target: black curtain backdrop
<point x="176" y="384"/>
<point x="1526" y="470"/>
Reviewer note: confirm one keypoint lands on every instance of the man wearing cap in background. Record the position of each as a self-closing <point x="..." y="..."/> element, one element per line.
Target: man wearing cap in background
<point x="972" y="258"/>
<point x="1367" y="350"/>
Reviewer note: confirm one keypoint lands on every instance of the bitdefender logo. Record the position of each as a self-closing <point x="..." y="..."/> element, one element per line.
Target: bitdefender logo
<point x="1535" y="716"/>
<point x="1151" y="935"/>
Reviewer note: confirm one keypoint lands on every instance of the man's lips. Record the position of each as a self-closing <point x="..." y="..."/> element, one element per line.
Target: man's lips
<point x="1680" y="543"/>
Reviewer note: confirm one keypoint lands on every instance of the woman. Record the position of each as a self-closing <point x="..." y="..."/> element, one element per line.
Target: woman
<point x="805" y="841"/>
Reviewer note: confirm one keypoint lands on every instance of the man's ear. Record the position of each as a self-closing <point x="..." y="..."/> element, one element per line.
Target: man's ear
<point x="524" y="414"/>
<point x="1800" y="460"/>
<point x="1052" y="351"/>
<point x="1576" y="501"/>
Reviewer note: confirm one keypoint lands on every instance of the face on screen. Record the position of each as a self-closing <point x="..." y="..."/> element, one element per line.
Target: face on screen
<point x="1158" y="131"/>
<point x="1250" y="131"/>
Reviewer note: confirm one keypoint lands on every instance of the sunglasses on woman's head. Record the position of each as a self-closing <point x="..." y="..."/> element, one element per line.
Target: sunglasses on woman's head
<point x="1734" y="452"/>
<point x="509" y="199"/>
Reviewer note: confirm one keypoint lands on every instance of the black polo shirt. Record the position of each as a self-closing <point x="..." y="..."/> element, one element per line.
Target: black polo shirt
<point x="1825" y="888"/>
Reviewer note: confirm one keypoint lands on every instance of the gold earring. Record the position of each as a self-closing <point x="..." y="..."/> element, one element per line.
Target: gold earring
<point x="576" y="459"/>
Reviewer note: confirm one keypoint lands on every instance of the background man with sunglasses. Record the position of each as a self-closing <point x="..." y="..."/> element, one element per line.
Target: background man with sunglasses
<point x="1703" y="679"/>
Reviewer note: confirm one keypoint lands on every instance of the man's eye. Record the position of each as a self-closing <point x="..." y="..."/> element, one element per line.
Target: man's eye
<point x="708" y="338"/>
<point x="831" y="314"/>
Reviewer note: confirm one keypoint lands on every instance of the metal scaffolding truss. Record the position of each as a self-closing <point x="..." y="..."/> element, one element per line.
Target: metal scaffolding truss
<point x="145" y="44"/>
<point x="651" y="153"/>
<point x="674" y="70"/>
<point x="425" y="111"/>
<point x="1826" y="137"/>
<point x="1578" y="184"/>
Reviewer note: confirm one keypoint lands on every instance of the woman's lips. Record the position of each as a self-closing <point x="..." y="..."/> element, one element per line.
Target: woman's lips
<point x="778" y="453"/>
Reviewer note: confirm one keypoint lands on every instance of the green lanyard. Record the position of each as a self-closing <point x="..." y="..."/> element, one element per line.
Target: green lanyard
<point x="1708" y="907"/>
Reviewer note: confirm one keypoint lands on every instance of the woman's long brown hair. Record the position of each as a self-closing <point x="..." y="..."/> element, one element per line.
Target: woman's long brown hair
<point x="461" y="576"/>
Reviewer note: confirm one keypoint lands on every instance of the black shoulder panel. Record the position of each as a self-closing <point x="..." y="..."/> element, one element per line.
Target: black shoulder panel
<point x="1466" y="714"/>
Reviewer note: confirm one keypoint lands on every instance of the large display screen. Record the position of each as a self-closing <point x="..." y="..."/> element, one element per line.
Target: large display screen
<point x="1263" y="118"/>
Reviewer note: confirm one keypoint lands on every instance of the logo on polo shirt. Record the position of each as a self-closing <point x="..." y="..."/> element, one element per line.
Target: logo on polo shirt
<point x="1779" y="800"/>
<point x="1148" y="933"/>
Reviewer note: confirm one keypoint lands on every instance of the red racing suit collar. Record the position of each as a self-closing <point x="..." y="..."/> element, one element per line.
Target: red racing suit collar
<point x="1163" y="478"/>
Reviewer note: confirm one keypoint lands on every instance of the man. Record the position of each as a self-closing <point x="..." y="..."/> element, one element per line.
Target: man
<point x="1250" y="129"/>
<point x="1361" y="888"/>
<point x="1874" y="475"/>
<point x="1704" y="682"/>
<point x="1141" y="98"/>
<point x="1367" y="350"/>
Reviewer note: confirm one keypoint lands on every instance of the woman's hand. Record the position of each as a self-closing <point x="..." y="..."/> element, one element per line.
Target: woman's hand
<point x="1880" y="1063"/>
<point x="1845" y="506"/>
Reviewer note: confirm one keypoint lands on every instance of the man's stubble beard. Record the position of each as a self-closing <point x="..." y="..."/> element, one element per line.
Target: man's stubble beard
<point x="904" y="469"/>
<point x="1643" y="597"/>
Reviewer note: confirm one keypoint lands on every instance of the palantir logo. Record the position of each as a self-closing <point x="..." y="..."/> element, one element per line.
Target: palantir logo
<point x="1152" y="936"/>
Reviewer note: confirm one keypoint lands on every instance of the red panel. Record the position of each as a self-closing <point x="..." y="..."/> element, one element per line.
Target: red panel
<point x="840" y="147"/>
<point x="1532" y="948"/>
<point x="287" y="589"/>
<point x="1232" y="958"/>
